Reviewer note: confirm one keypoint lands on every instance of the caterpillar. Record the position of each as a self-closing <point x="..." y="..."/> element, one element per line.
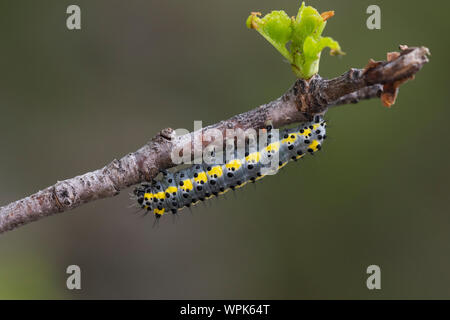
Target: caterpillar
<point x="186" y="187"/>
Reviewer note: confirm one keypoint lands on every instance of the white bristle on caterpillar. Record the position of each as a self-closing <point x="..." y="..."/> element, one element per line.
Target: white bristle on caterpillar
<point x="199" y="182"/>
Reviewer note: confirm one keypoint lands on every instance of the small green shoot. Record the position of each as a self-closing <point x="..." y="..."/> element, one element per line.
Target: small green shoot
<point x="299" y="39"/>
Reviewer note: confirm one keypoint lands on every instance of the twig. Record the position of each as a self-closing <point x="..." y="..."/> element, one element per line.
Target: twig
<point x="300" y="103"/>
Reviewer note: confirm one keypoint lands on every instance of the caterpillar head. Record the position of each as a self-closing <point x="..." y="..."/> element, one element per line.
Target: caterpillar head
<point x="139" y="192"/>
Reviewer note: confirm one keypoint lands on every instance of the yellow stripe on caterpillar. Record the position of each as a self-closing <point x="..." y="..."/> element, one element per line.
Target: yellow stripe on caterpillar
<point x="201" y="176"/>
<point x="236" y="164"/>
<point x="282" y="165"/>
<point x="160" y="195"/>
<point x="216" y="171"/>
<point x="171" y="190"/>
<point x="187" y="185"/>
<point x="225" y="191"/>
<point x="291" y="139"/>
<point x="254" y="157"/>
<point x="314" y="145"/>
<point x="148" y="196"/>
<point x="241" y="185"/>
<point x="260" y="177"/>
<point x="275" y="146"/>
<point x="305" y="132"/>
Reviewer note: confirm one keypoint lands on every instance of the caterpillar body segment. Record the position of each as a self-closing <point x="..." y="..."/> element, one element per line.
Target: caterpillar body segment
<point x="199" y="182"/>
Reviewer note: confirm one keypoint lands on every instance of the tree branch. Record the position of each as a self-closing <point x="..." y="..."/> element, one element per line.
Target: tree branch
<point x="370" y="92"/>
<point x="299" y="104"/>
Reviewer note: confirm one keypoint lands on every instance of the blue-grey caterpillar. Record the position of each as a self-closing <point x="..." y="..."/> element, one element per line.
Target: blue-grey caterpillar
<point x="199" y="182"/>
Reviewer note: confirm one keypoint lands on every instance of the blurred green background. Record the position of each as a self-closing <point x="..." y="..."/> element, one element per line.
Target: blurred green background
<point x="71" y="101"/>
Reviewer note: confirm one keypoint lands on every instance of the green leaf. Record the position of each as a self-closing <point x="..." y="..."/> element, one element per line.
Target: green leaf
<point x="276" y="27"/>
<point x="304" y="33"/>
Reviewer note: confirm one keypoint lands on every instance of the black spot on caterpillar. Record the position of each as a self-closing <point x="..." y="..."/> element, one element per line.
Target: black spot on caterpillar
<point x="199" y="182"/>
